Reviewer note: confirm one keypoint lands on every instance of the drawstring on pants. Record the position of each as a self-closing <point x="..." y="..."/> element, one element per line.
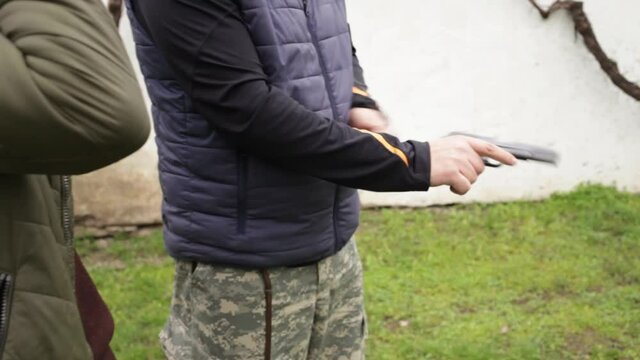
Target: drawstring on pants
<point x="268" y="313"/>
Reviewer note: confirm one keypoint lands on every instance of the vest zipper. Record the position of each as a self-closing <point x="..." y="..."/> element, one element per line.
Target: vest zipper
<point x="243" y="169"/>
<point x="6" y="285"/>
<point x="332" y="102"/>
<point x="323" y="65"/>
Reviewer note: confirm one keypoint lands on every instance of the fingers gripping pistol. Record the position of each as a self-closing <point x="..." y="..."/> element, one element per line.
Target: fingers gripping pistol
<point x="519" y="150"/>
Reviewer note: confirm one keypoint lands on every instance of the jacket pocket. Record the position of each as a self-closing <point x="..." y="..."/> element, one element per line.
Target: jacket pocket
<point x="243" y="169"/>
<point x="6" y="287"/>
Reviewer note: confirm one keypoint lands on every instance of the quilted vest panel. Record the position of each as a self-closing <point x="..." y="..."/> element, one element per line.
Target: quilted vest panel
<point x="223" y="206"/>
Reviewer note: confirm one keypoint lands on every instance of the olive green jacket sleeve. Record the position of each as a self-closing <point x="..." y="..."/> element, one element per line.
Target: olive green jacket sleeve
<point x="69" y="100"/>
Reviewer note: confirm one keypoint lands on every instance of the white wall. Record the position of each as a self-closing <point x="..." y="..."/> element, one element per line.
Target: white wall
<point x="491" y="67"/>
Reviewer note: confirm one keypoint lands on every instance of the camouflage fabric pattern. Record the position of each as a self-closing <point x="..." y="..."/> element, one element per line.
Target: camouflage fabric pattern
<point x="218" y="312"/>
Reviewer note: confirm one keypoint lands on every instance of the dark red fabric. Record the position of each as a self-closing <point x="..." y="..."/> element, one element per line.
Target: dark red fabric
<point x="96" y="318"/>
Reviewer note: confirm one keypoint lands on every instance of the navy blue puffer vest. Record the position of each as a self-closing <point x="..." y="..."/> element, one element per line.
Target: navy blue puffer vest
<point x="225" y="207"/>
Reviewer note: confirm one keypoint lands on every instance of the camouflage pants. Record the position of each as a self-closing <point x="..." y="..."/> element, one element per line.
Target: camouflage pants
<point x="315" y="312"/>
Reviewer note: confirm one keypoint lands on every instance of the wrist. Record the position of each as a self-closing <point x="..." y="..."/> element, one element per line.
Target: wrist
<point x="363" y="100"/>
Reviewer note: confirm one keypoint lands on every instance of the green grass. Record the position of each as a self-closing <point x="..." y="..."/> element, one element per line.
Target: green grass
<point x="558" y="279"/>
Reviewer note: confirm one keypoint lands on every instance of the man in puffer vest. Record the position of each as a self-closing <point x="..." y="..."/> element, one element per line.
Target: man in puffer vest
<point x="260" y="155"/>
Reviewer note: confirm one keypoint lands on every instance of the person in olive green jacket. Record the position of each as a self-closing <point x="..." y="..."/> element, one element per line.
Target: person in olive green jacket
<point x="69" y="104"/>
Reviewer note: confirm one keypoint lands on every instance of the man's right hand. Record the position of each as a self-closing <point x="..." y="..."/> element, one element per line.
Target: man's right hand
<point x="457" y="161"/>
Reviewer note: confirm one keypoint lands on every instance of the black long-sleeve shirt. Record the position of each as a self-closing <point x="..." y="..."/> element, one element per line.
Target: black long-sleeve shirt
<point x="213" y="57"/>
<point x="361" y="98"/>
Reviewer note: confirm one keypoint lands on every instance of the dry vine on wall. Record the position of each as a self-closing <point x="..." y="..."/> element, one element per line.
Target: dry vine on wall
<point x="584" y="28"/>
<point x="115" y="8"/>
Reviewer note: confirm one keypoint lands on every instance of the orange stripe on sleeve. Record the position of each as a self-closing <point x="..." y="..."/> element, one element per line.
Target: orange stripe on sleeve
<point x="357" y="90"/>
<point x="385" y="143"/>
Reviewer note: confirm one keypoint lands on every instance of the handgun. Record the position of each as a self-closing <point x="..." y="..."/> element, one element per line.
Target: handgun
<point x="519" y="150"/>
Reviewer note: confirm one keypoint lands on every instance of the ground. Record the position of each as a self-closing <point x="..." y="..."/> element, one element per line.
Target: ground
<point x="557" y="279"/>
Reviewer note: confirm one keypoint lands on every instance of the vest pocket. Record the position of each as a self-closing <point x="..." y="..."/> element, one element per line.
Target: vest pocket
<point x="6" y="287"/>
<point x="243" y="169"/>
